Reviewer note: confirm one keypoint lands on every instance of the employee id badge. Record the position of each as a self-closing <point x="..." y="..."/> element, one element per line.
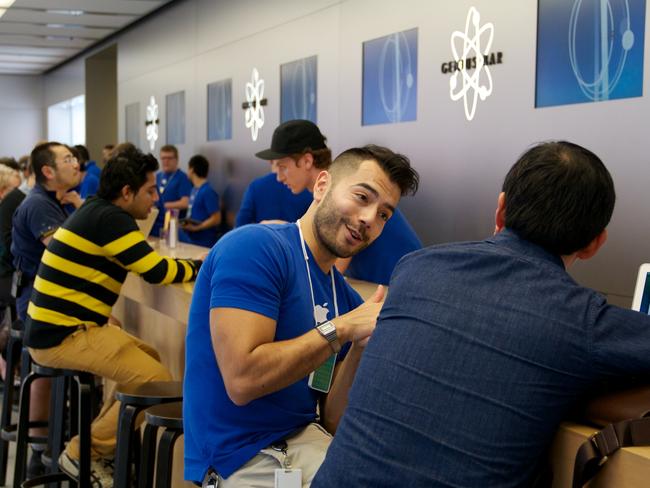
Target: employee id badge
<point x="288" y="478"/>
<point x="321" y="378"/>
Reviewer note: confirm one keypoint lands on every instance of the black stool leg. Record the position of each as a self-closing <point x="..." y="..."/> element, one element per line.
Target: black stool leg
<point x="14" y="347"/>
<point x="128" y="414"/>
<point x="148" y="457"/>
<point x="85" y="419"/>
<point x="22" y="435"/>
<point x="165" y="458"/>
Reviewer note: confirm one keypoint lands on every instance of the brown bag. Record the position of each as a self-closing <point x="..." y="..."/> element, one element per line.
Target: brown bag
<point x="625" y="418"/>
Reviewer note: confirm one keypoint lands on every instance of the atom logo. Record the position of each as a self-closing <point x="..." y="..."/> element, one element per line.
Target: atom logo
<point x="472" y="47"/>
<point x="254" y="116"/>
<point x="152" y="123"/>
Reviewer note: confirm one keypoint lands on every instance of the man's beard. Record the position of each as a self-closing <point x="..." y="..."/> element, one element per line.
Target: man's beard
<point x="327" y="221"/>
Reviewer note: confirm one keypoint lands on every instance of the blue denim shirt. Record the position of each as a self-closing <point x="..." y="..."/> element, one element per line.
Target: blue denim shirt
<point x="480" y="351"/>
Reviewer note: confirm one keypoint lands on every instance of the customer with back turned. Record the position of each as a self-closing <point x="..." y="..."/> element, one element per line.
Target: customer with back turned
<point x="269" y="308"/>
<point x="78" y="282"/>
<point x="298" y="153"/>
<point x="483" y="348"/>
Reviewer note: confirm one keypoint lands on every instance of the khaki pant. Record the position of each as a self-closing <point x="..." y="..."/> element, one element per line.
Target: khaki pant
<point x="306" y="450"/>
<point x="111" y="353"/>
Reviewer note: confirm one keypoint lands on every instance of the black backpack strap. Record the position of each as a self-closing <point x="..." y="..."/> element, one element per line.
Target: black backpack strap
<point x="593" y="453"/>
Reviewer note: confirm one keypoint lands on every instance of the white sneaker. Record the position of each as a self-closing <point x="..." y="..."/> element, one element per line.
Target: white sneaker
<point x="101" y="470"/>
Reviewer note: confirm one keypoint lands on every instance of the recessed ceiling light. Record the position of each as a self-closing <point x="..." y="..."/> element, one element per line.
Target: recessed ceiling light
<point x="64" y="26"/>
<point x="75" y="13"/>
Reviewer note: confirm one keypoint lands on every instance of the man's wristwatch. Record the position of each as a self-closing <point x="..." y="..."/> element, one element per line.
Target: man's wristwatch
<point x="328" y="331"/>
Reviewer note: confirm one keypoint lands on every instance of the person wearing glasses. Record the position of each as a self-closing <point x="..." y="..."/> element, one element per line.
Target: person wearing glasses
<point x="39" y="215"/>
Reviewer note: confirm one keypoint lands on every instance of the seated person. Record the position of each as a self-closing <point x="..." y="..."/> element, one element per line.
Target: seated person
<point x="43" y="211"/>
<point x="298" y="153"/>
<point x="78" y="282"/>
<point x="201" y="224"/>
<point x="174" y="187"/>
<point x="269" y="308"/>
<point x="483" y="348"/>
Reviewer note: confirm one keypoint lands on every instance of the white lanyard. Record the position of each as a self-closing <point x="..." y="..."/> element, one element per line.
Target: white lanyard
<point x="164" y="182"/>
<point x="311" y="288"/>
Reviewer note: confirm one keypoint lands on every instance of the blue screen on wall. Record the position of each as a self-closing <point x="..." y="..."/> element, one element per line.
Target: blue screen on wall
<point x="589" y="50"/>
<point x="390" y="73"/>
<point x="298" y="92"/>
<point x="220" y="110"/>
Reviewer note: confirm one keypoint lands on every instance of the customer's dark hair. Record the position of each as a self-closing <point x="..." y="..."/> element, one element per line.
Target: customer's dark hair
<point x="127" y="166"/>
<point x="560" y="196"/>
<point x="396" y="166"/>
<point x="41" y="156"/>
<point x="200" y="165"/>
<point x="84" y="155"/>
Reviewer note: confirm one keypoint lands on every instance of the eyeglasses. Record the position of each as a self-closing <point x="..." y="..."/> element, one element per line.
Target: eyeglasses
<point x="69" y="159"/>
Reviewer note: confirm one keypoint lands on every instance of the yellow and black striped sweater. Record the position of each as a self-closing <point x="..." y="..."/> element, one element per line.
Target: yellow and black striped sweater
<point x="83" y="269"/>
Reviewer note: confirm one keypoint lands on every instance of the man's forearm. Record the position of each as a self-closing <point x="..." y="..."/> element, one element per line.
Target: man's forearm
<point x="273" y="366"/>
<point x="336" y="400"/>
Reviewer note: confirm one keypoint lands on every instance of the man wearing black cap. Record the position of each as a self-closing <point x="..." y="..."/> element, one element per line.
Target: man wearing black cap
<point x="269" y="200"/>
<point x="298" y="154"/>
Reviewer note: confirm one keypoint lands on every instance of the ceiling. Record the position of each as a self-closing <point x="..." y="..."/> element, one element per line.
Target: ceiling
<point x="36" y="35"/>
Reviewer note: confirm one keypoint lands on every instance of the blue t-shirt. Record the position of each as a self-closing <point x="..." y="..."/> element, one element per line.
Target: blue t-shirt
<point x="376" y="262"/>
<point x="93" y="169"/>
<point x="481" y="350"/>
<point x="89" y="185"/>
<point x="261" y="269"/>
<point x="204" y="201"/>
<point x="38" y="216"/>
<point x="171" y="187"/>
<point x="267" y="199"/>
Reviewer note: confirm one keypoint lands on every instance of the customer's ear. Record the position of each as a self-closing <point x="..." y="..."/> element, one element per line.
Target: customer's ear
<point x="592" y="248"/>
<point x="500" y="213"/>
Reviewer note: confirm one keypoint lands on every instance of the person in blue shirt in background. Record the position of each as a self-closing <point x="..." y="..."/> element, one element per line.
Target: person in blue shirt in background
<point x="203" y="217"/>
<point x="174" y="187"/>
<point x="268" y="199"/>
<point x="89" y="172"/>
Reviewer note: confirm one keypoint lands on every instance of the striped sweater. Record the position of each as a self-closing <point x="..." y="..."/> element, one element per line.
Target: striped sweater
<point x="84" y="267"/>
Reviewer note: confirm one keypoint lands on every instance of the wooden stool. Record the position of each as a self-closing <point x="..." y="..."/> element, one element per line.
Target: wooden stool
<point x="170" y="417"/>
<point x="134" y="399"/>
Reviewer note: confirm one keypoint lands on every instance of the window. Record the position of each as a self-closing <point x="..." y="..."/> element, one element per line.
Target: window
<point x="66" y="121"/>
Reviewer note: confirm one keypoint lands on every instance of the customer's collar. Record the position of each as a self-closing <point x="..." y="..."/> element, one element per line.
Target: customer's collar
<point x="512" y="240"/>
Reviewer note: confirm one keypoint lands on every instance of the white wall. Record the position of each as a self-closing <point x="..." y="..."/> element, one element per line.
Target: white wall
<point x="461" y="164"/>
<point x="21" y="112"/>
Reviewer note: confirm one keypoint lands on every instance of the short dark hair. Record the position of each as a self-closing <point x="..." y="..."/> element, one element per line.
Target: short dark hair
<point x="200" y="165"/>
<point x="41" y="156"/>
<point x="558" y="195"/>
<point x="127" y="166"/>
<point x="83" y="154"/>
<point x="170" y="148"/>
<point x="397" y="166"/>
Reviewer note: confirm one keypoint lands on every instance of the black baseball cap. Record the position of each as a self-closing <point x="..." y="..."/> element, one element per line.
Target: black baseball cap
<point x="293" y="137"/>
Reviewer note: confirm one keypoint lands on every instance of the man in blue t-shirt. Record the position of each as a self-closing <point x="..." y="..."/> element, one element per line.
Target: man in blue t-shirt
<point x="200" y="225"/>
<point x="483" y="348"/>
<point x="298" y="153"/>
<point x="268" y="309"/>
<point x="268" y="199"/>
<point x="174" y="187"/>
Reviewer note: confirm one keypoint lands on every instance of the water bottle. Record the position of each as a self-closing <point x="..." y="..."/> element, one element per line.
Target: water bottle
<point x="172" y="235"/>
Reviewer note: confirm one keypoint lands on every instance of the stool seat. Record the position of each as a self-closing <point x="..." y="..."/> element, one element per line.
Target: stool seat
<point x="150" y="393"/>
<point x="41" y="370"/>
<point x="168" y="415"/>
